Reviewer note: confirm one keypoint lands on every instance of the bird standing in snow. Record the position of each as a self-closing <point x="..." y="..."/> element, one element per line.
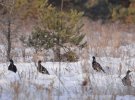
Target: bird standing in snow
<point x="96" y="66"/>
<point x="12" y="67"/>
<point x="42" y="69"/>
<point x="126" y="80"/>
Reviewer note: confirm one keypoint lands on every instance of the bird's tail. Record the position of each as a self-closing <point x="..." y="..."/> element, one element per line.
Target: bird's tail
<point x="48" y="73"/>
<point x="103" y="70"/>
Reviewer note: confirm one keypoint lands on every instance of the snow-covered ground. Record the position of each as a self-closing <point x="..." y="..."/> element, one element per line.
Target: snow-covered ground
<point x="65" y="81"/>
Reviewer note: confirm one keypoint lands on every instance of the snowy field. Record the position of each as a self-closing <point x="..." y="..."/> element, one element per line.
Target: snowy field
<point x="65" y="81"/>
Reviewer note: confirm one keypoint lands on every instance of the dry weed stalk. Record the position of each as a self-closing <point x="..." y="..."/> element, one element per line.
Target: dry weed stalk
<point x="50" y="91"/>
<point x="85" y="70"/>
<point x="16" y="86"/>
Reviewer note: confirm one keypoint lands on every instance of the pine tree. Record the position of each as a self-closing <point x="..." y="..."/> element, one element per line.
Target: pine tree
<point x="56" y="29"/>
<point x="9" y="22"/>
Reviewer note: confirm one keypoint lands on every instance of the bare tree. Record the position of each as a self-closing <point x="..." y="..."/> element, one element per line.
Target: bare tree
<point x="8" y="23"/>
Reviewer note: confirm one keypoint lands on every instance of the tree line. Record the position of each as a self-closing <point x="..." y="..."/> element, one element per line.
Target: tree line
<point x="58" y="22"/>
<point x="54" y="29"/>
<point x="105" y="10"/>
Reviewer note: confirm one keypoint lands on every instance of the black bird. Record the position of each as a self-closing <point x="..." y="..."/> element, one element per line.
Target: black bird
<point x="42" y="69"/>
<point x="12" y="67"/>
<point x="126" y="80"/>
<point x="96" y="66"/>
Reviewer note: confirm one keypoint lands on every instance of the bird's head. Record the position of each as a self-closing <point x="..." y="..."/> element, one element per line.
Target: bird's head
<point x="39" y="62"/>
<point x="93" y="57"/>
<point x="11" y="61"/>
<point x="128" y="71"/>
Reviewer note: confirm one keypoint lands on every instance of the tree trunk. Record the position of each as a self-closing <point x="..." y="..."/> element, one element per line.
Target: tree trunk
<point x="57" y="56"/>
<point x="23" y="54"/>
<point x="9" y="40"/>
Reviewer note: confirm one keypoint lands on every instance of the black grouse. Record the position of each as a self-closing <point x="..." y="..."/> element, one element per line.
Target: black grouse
<point x="96" y="66"/>
<point x="12" y="67"/>
<point x="42" y="69"/>
<point x="126" y="80"/>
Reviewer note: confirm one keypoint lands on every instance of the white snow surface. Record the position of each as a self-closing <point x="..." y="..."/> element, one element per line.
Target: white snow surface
<point x="66" y="79"/>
